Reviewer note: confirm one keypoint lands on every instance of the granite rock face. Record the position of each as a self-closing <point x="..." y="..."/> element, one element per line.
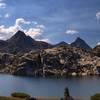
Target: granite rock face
<point x="96" y="50"/>
<point x="57" y="61"/>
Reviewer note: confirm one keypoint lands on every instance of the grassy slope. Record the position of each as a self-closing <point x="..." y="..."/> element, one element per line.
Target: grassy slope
<point x="48" y="99"/>
<point x="9" y="98"/>
<point x="13" y="98"/>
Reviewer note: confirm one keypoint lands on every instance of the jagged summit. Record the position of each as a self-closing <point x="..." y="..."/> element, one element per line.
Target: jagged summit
<point x="19" y="35"/>
<point x="20" y="42"/>
<point x="79" y="39"/>
<point x="80" y="43"/>
<point x="19" y="32"/>
<point x="61" y="43"/>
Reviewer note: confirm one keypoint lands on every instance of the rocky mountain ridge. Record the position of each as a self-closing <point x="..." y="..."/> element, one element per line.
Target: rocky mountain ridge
<point x="22" y="55"/>
<point x="57" y="61"/>
<point x="80" y="43"/>
<point x="21" y="43"/>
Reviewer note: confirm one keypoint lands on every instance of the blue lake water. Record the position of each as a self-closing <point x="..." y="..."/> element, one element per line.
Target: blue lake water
<point x="82" y="87"/>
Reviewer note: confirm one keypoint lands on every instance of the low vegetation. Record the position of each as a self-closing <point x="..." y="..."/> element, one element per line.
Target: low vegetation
<point x="67" y="95"/>
<point x="24" y="96"/>
<point x="20" y="95"/>
<point x="10" y="98"/>
<point x="96" y="97"/>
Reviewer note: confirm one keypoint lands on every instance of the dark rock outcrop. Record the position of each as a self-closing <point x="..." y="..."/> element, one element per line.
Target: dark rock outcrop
<point x="80" y="43"/>
<point x="57" y="61"/>
<point x="22" y="43"/>
<point x="61" y="44"/>
<point x="96" y="50"/>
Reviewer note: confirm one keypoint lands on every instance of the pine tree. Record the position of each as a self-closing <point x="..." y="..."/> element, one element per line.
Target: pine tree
<point x="66" y="94"/>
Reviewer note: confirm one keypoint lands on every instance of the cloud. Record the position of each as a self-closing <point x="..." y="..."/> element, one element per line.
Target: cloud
<point x="72" y="31"/>
<point x="1" y="0"/>
<point x="44" y="40"/>
<point x="21" y="21"/>
<point x="7" y="15"/>
<point x="98" y="15"/>
<point x="41" y="26"/>
<point x="34" y="32"/>
<point x="6" y="32"/>
<point x="11" y="29"/>
<point x="2" y="5"/>
<point x="98" y="43"/>
<point x="34" y="22"/>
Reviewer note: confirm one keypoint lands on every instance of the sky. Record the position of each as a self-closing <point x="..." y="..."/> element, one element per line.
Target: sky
<point x="52" y="21"/>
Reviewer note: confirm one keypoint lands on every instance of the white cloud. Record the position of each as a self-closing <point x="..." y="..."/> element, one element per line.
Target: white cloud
<point x="11" y="29"/>
<point x="6" y="32"/>
<point x="7" y="15"/>
<point x="98" y="15"/>
<point x="71" y="31"/>
<point x="37" y="32"/>
<point x="21" y="21"/>
<point x="1" y="0"/>
<point x="34" y="22"/>
<point x="2" y="5"/>
<point x="44" y="40"/>
<point x="98" y="43"/>
<point x="34" y="32"/>
<point x="41" y="26"/>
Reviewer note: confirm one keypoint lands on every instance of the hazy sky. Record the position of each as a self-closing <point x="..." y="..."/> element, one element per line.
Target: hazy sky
<point x="51" y="20"/>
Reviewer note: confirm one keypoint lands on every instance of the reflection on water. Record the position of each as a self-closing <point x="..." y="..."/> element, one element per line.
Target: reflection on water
<point x="50" y="87"/>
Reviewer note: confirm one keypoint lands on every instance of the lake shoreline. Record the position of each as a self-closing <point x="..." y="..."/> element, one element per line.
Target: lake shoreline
<point x="67" y="76"/>
<point x="37" y="98"/>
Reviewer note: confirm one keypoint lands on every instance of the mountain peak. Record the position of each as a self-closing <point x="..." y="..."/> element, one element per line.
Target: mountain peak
<point x="20" y="33"/>
<point x="79" y="39"/>
<point x="80" y="43"/>
<point x="20" y="42"/>
<point x="61" y="43"/>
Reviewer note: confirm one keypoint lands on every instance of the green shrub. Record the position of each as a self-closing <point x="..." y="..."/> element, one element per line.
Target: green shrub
<point x="61" y="99"/>
<point x="66" y="94"/>
<point x="96" y="97"/>
<point x="20" y="95"/>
